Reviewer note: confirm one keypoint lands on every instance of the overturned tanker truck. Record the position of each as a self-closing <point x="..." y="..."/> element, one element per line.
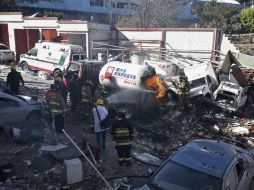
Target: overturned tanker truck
<point x="133" y="85"/>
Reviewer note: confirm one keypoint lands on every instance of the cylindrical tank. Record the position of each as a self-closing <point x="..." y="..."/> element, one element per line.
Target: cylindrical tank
<point x="138" y="58"/>
<point x="122" y="75"/>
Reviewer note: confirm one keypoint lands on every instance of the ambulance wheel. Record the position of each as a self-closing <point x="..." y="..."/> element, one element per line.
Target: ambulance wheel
<point x="56" y="71"/>
<point x="24" y="66"/>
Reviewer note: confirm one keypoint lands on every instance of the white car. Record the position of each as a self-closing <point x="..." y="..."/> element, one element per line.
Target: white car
<point x="230" y="96"/>
<point x="6" y="54"/>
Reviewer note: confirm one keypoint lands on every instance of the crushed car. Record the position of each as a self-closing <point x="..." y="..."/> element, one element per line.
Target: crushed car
<point x="230" y="96"/>
<point x="206" y="164"/>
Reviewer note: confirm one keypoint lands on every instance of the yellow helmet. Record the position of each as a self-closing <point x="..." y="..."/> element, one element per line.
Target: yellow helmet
<point x="99" y="102"/>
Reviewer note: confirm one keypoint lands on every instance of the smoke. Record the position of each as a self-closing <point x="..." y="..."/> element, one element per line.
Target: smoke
<point x="140" y="97"/>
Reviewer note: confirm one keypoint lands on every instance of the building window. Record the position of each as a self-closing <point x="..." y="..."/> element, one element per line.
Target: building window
<point x="98" y="3"/>
<point x="113" y="4"/>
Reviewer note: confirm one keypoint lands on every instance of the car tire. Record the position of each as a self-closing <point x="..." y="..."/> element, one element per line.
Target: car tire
<point x="34" y="118"/>
<point x="252" y="184"/>
<point x="24" y="66"/>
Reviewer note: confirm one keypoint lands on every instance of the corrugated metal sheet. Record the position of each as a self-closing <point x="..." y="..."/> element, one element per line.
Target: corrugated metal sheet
<point x="34" y="37"/>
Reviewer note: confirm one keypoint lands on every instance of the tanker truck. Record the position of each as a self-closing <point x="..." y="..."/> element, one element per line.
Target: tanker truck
<point x="133" y="84"/>
<point x="138" y="85"/>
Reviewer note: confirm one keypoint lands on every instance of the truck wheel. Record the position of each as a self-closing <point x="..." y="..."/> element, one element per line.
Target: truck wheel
<point x="24" y="66"/>
<point x="56" y="72"/>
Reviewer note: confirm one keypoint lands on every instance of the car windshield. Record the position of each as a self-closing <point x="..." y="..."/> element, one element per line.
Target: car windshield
<point x="198" y="82"/>
<point x="225" y="95"/>
<point x="73" y="67"/>
<point x="178" y="177"/>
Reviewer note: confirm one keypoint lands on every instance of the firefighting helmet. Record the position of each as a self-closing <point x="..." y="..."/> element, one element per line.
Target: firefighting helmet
<point x="99" y="102"/>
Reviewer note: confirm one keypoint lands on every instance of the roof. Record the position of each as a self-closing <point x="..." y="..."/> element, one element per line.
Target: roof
<point x="208" y="156"/>
<point x="233" y="2"/>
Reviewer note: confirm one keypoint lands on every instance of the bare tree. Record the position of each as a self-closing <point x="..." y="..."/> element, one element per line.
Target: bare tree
<point x="150" y="13"/>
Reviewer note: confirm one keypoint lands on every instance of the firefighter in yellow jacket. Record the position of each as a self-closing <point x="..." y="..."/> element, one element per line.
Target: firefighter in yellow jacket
<point x="57" y="108"/>
<point x="183" y="89"/>
<point x="122" y="134"/>
<point x="86" y="98"/>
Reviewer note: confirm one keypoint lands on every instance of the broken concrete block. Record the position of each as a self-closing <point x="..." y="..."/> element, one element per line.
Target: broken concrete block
<point x="52" y="148"/>
<point x="73" y="171"/>
<point x="241" y="131"/>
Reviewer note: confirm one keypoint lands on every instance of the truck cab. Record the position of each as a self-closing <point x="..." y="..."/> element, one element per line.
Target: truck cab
<point x="202" y="79"/>
<point x="86" y="70"/>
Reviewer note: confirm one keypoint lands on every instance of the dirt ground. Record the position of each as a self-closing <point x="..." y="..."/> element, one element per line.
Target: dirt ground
<point x="27" y="167"/>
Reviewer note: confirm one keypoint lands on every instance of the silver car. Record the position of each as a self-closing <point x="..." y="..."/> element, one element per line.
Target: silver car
<point x="6" y="54"/>
<point x="206" y="165"/>
<point x="18" y="109"/>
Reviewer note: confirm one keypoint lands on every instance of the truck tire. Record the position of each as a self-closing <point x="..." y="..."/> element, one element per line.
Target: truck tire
<point x="24" y="66"/>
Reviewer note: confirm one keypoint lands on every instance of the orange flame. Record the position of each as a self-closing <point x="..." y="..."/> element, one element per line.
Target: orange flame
<point x="155" y="83"/>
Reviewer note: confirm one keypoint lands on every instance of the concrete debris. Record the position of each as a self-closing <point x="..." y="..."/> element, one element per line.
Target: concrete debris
<point x="240" y="131"/>
<point x="52" y="148"/>
<point x="147" y="158"/>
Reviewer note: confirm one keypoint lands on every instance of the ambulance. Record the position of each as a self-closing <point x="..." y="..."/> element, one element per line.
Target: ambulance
<point x="51" y="57"/>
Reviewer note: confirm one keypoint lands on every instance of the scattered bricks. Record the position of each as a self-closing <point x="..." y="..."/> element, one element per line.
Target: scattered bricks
<point x="73" y="171"/>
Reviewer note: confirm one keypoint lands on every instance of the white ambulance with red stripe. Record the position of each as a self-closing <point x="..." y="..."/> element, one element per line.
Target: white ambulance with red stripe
<point x="51" y="57"/>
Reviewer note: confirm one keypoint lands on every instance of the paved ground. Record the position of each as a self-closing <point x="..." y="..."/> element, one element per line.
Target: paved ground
<point x="25" y="167"/>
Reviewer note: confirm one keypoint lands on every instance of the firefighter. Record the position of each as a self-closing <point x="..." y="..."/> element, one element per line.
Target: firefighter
<point x="86" y="98"/>
<point x="183" y="89"/>
<point x="101" y="93"/>
<point x="58" y="81"/>
<point x="74" y="92"/>
<point x="122" y="134"/>
<point x="57" y="109"/>
<point x="14" y="78"/>
<point x="100" y="113"/>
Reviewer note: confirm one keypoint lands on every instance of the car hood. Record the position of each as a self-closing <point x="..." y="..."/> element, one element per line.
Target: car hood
<point x="29" y="100"/>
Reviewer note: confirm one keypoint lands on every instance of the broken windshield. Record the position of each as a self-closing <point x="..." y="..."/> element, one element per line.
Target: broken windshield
<point x="198" y="82"/>
<point x="171" y="177"/>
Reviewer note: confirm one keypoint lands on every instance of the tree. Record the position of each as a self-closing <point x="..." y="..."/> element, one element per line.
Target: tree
<point x="149" y="13"/>
<point x="213" y="14"/>
<point x="247" y="19"/>
<point x="8" y="6"/>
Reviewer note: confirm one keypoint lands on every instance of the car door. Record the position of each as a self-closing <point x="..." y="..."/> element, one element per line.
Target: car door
<point x="33" y="60"/>
<point x="11" y="111"/>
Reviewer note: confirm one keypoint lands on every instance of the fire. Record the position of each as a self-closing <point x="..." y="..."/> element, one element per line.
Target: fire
<point x="155" y="83"/>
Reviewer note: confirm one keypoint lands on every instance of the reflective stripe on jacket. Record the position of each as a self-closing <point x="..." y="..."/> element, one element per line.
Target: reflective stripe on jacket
<point x="122" y="132"/>
<point x="55" y="105"/>
<point x="86" y="94"/>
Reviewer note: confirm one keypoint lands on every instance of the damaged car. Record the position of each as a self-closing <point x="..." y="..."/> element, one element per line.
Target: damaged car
<point x="16" y="109"/>
<point x="230" y="96"/>
<point x="206" y="164"/>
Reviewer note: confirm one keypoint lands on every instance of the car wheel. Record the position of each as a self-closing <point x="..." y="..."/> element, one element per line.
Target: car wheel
<point x="34" y="119"/>
<point x="252" y="184"/>
<point x="24" y="66"/>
